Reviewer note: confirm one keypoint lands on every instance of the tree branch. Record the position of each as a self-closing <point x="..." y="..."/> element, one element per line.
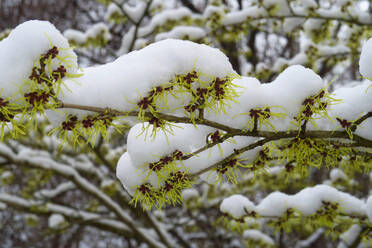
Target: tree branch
<point x="233" y="131"/>
<point x="138" y="24"/>
<point x="360" y="121"/>
<point x="189" y="5"/>
<point x="82" y="183"/>
<point x="318" y="16"/>
<point x="365" y="230"/>
<point x="73" y="215"/>
<point x="123" y="11"/>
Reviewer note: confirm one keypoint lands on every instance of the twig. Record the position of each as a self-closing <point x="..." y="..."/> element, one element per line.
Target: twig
<point x="359" y="121"/>
<point x="138" y="24"/>
<point x="123" y="11"/>
<point x="189" y="5"/>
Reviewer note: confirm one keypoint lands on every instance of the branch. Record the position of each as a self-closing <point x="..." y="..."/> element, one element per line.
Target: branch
<point x="365" y="230"/>
<point x="138" y="24"/>
<point x="89" y="57"/>
<point x="123" y="11"/>
<point x="318" y="16"/>
<point x="310" y="240"/>
<point x="233" y="131"/>
<point x="352" y="216"/>
<point x="97" y="151"/>
<point x="189" y="5"/>
<point x="82" y="183"/>
<point x="52" y="193"/>
<point x="236" y="151"/>
<point x="360" y="120"/>
<point x="76" y="216"/>
<point x="164" y="237"/>
<point x="290" y="7"/>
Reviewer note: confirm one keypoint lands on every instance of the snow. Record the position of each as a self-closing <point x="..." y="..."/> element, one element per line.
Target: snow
<point x="126" y="41"/>
<point x="179" y="32"/>
<point x="313" y="24"/>
<point x="332" y="50"/>
<point x="236" y="206"/>
<point x="355" y="102"/>
<point x="369" y="208"/>
<point x="350" y="235"/>
<point x="189" y="194"/>
<point x="288" y="90"/>
<point x="281" y="6"/>
<point x="129" y="176"/>
<point x="209" y="177"/>
<point x="277" y="199"/>
<point x="31" y="217"/>
<point x="313" y="237"/>
<point x="112" y="9"/>
<point x="75" y="36"/>
<point x="211" y="10"/>
<point x="23" y="47"/>
<point x="309" y="3"/>
<point x="307" y="202"/>
<point x="366" y="59"/>
<point x="98" y="29"/>
<point x="134" y="75"/>
<point x="55" y="221"/>
<point x="337" y="174"/>
<point x="275" y="170"/>
<point x="6" y="174"/>
<point x="240" y="16"/>
<point x="290" y="24"/>
<point x="122" y="83"/>
<point x="64" y="211"/>
<point x="185" y="138"/>
<point x="258" y="235"/>
<point x="107" y="183"/>
<point x="136" y="11"/>
<point x="63" y="187"/>
<point x="93" y="32"/>
<point x="213" y="155"/>
<point x="162" y="17"/>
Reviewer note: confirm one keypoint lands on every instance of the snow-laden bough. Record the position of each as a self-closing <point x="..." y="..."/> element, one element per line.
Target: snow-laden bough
<point x="195" y="115"/>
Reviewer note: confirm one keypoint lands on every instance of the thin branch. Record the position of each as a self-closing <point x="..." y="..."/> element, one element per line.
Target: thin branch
<point x="122" y="9"/>
<point x="360" y="121"/>
<point x="228" y="158"/>
<point x="343" y="215"/>
<point x="86" y="12"/>
<point x="320" y="17"/>
<point x="233" y="131"/>
<point x="159" y="230"/>
<point x="138" y="24"/>
<point x="290" y="7"/>
<point x="311" y="239"/>
<point x="97" y="151"/>
<point x="91" y="58"/>
<point x="206" y="147"/>
<point x="365" y="230"/>
<point x="303" y="129"/>
<point x="189" y="5"/>
<point x="240" y="4"/>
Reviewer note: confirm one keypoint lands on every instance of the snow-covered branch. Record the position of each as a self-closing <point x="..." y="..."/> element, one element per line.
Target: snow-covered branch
<point x="192" y="116"/>
<point x="82" y="183"/>
<point x="73" y="215"/>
